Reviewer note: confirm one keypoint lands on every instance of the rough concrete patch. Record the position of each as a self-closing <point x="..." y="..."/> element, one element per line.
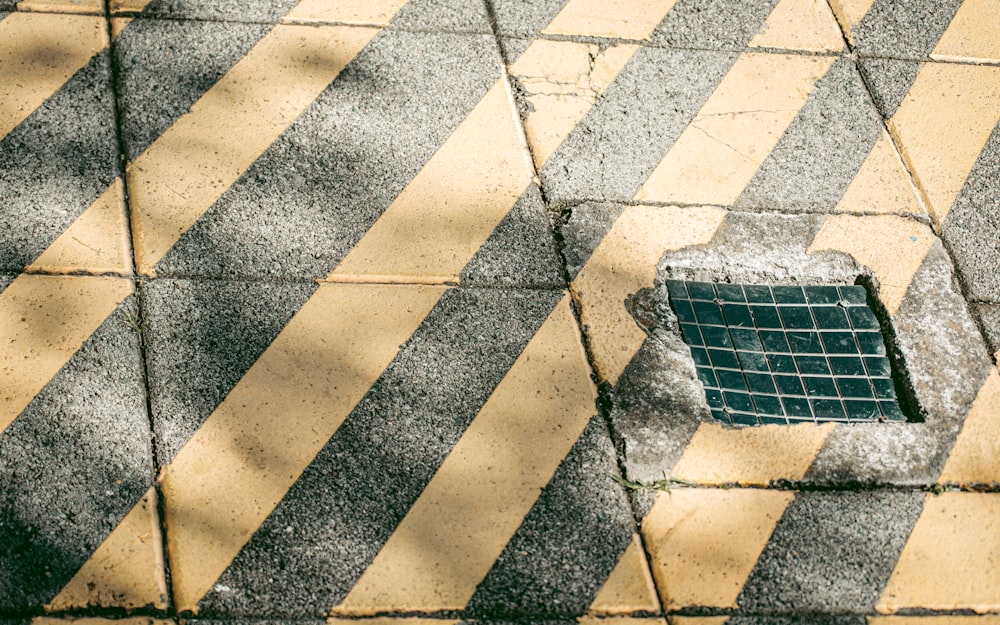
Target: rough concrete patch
<point x="888" y="80"/>
<point x="457" y="16"/>
<point x="972" y="227"/>
<point x="947" y="364"/>
<point x="831" y="552"/>
<point x="658" y="404"/>
<point x="989" y="321"/>
<point x="812" y="619"/>
<point x="263" y="11"/>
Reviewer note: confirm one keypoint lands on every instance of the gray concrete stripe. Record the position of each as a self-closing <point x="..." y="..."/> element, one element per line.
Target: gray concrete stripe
<point x="456" y="16"/>
<point x="888" y="80"/>
<point x="623" y="138"/>
<point x="820" y="153"/>
<point x="166" y="66"/>
<point x="813" y="619"/>
<point x="712" y="24"/>
<point x="832" y="552"/>
<point x="315" y="192"/>
<point x="904" y="30"/>
<point x="345" y="506"/>
<point x="520" y="251"/>
<point x="56" y="163"/>
<point x="569" y="542"/>
<point x="72" y="465"/>
<point x="989" y="321"/>
<point x="201" y="338"/>
<point x="972" y="228"/>
<point x="524" y="18"/>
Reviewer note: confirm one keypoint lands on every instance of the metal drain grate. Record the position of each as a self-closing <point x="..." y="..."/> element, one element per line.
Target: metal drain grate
<point x="786" y="354"/>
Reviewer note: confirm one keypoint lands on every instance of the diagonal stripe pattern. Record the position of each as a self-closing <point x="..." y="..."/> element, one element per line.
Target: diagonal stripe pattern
<point x="727" y="145"/>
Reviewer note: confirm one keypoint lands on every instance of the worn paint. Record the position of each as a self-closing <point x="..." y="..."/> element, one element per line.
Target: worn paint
<point x="973" y="35"/>
<point x="882" y="185"/>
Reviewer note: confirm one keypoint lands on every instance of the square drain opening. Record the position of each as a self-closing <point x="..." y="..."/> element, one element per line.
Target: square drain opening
<point x="769" y="354"/>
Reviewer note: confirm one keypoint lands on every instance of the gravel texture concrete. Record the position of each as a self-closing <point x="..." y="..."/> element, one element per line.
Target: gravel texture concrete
<point x="903" y="30"/>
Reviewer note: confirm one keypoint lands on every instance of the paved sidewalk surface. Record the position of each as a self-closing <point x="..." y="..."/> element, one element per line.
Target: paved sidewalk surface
<point x="611" y="312"/>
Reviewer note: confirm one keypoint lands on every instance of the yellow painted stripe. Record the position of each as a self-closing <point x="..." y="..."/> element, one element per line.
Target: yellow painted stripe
<point x="975" y="458"/>
<point x="952" y="558"/>
<point x="360" y="12"/>
<point x="942" y="126"/>
<point x="97" y="242"/>
<point x="128" y="6"/>
<point x="882" y="185"/>
<point x="196" y="160"/>
<point x="84" y="7"/>
<point x="126" y="571"/>
<point x="800" y="25"/>
<point x="703" y="543"/>
<point x="622" y="19"/>
<point x="625" y="262"/>
<point x="750" y="456"/>
<point x="443" y="216"/>
<point x="973" y="35"/>
<point x="474" y="504"/>
<point x="38" y="54"/>
<point x="630" y="586"/>
<point x="562" y="80"/>
<point x="132" y="620"/>
<point x="723" y="147"/>
<point x="391" y="620"/>
<point x="44" y="320"/>
<point x="244" y="458"/>
<point x="850" y="13"/>
<point x="892" y="247"/>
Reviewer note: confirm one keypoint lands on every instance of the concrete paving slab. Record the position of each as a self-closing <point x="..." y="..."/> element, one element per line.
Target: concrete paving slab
<point x="658" y="405"/>
<point x="420" y="15"/>
<point x="73" y="463"/>
<point x="352" y="496"/>
<point x="706" y="25"/>
<point x="58" y="151"/>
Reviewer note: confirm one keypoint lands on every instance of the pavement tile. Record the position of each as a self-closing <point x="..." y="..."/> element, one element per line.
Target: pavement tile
<point x="73" y="463"/>
<point x="84" y="7"/>
<point x="421" y="15"/>
<point x="902" y="30"/>
<point x="331" y="526"/>
<point x="58" y="152"/>
<point x="658" y="403"/>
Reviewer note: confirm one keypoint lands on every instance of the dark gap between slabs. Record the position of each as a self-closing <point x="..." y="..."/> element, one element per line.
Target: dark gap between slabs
<point x="785" y="354"/>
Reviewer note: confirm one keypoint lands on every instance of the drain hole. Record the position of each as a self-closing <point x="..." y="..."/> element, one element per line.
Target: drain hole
<point x="783" y="354"/>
